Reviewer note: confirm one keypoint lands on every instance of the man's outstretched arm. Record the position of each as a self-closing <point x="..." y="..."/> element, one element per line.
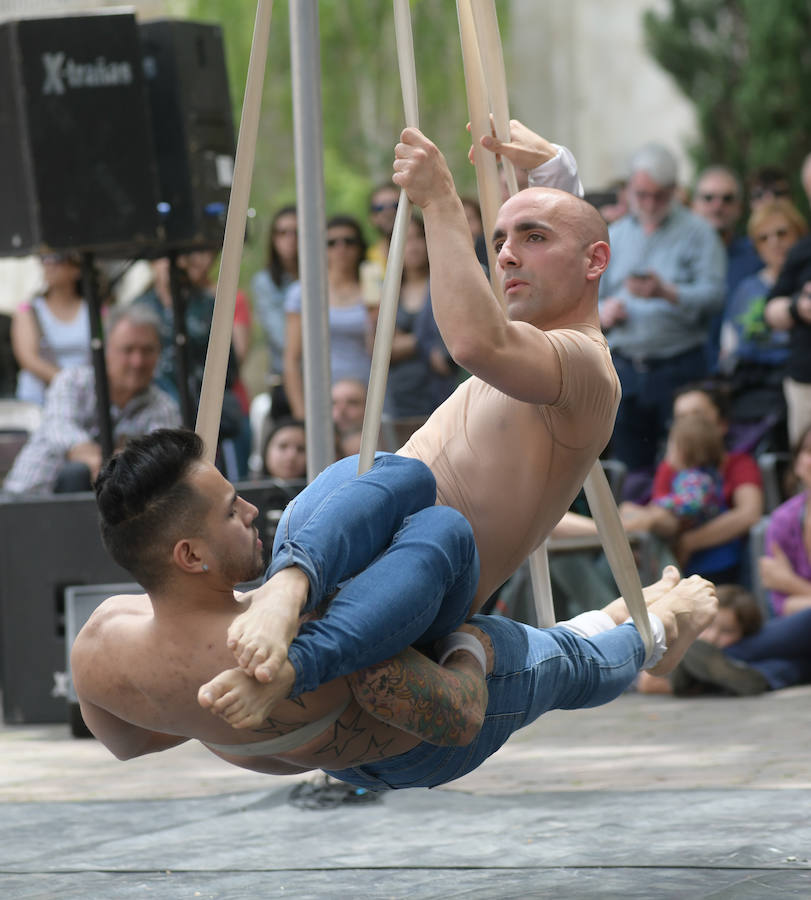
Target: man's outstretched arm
<point x="443" y="705"/>
<point x="512" y="356"/>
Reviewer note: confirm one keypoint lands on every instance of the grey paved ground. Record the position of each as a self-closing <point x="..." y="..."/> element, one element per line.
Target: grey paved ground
<point x="645" y="798"/>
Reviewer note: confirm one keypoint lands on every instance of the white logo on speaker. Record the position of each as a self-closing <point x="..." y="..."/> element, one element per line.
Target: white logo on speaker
<point x="62" y="73"/>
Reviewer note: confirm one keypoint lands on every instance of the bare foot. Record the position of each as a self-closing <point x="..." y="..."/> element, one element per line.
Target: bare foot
<point x="685" y="612"/>
<point x="260" y="636"/>
<point x="618" y="610"/>
<point x="241" y="700"/>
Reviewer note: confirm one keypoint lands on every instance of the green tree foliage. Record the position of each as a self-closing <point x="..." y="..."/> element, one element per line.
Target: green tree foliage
<point x="746" y="64"/>
<point x="361" y="99"/>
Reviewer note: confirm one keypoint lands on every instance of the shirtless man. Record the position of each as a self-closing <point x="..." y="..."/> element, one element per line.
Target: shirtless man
<point x="185" y="534"/>
<point x="512" y="446"/>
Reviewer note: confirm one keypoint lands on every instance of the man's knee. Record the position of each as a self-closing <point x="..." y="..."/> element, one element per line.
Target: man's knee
<point x="448" y="531"/>
<point x="412" y="472"/>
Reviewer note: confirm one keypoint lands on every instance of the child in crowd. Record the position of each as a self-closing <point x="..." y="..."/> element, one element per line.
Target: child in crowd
<point x="284" y="459"/>
<point x="695" y="449"/>
<point x="285" y="450"/>
<point x="739" y="654"/>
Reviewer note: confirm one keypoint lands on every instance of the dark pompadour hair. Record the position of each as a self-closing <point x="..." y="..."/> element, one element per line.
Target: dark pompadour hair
<point x="146" y="503"/>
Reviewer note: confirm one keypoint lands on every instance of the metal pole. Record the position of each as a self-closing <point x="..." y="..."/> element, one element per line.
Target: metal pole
<point x="305" y="53"/>
<point x="90" y="289"/>
<point x="178" y="290"/>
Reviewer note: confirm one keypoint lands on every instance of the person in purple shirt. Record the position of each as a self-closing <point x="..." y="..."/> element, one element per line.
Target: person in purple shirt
<point x="786" y="569"/>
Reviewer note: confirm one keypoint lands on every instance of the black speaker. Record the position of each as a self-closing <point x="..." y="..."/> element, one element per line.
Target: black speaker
<point x="77" y="167"/>
<point x="184" y="66"/>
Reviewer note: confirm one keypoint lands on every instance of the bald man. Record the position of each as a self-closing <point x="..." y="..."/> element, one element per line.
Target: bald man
<point x="510" y="448"/>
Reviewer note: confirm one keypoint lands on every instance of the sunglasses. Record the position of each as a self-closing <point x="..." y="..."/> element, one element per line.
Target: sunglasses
<point x="760" y="193"/>
<point x="346" y="241"/>
<point x="382" y="207"/>
<point x="284" y="232"/>
<point x="779" y="233"/>
<point x="724" y="198"/>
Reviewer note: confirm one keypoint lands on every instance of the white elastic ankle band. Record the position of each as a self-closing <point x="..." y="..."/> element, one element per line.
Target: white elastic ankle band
<point x="659" y="643"/>
<point x="589" y="623"/>
<point x="462" y="640"/>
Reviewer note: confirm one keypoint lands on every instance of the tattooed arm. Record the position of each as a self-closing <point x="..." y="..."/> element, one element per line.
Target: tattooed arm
<point x="442" y="705"/>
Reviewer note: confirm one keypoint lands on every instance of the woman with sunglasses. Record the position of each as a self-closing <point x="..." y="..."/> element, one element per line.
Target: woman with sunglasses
<point x="52" y="331"/>
<point x="270" y="288"/>
<point x="350" y="329"/>
<point x="753" y="356"/>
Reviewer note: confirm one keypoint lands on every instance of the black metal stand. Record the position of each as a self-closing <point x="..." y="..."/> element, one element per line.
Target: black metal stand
<point x="90" y="289"/>
<point x="177" y="289"/>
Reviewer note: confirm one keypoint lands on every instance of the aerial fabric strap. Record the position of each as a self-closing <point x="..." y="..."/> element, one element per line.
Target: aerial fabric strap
<point x="484" y="76"/>
<point x="219" y="342"/>
<point x="387" y="316"/>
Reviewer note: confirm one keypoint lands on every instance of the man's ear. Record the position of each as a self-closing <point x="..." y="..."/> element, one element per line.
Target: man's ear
<point x="187" y="556"/>
<point x="599" y="255"/>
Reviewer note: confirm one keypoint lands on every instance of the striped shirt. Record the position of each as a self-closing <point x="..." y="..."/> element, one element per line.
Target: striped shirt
<point x="70" y="418"/>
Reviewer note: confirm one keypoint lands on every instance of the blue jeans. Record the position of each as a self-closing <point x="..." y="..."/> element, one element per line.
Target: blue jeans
<point x="535" y="670"/>
<point x="412" y="566"/>
<point x="781" y="650"/>
<point x="646" y="406"/>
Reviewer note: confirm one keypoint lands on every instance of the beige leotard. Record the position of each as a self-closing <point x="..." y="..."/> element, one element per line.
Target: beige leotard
<point x="514" y="468"/>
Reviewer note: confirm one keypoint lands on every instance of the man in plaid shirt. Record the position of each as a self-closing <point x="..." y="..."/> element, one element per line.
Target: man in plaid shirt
<point x="64" y="453"/>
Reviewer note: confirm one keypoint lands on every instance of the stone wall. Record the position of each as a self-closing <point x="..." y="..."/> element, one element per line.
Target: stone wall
<point x="578" y="73"/>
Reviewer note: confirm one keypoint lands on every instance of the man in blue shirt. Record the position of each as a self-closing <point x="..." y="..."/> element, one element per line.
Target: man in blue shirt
<point x="718" y="198"/>
<point x="662" y="287"/>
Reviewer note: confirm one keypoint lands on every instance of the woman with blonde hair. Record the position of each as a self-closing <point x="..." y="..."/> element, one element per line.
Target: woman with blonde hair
<point x="753" y="355"/>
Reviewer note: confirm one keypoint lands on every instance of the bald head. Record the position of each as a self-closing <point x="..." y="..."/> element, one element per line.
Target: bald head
<point x="576" y="214"/>
<point x="552" y="248"/>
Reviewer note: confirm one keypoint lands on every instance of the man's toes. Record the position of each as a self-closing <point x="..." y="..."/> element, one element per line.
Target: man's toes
<point x="246" y="657"/>
<point x="251" y="720"/>
<point x="235" y="633"/>
<point x="205" y="696"/>
<point x="236" y="719"/>
<point x="228" y="702"/>
<point x="256" y="659"/>
<point x="265" y="672"/>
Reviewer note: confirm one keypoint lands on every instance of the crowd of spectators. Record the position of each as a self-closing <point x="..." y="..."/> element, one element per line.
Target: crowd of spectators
<point x="706" y="306"/>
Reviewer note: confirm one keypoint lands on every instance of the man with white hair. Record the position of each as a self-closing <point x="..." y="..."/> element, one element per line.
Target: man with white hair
<point x="64" y="454"/>
<point x="664" y="283"/>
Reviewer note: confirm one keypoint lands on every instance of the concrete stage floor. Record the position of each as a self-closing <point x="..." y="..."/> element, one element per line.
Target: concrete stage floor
<point x="645" y="798"/>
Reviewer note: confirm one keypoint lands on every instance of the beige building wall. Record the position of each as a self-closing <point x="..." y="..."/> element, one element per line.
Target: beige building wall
<point x="10" y="9"/>
<point x="579" y="73"/>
